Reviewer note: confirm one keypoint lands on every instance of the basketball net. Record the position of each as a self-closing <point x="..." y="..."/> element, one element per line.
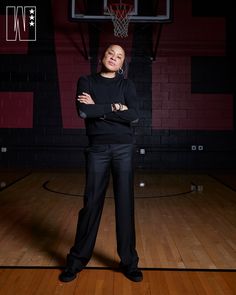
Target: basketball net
<point x="120" y="15"/>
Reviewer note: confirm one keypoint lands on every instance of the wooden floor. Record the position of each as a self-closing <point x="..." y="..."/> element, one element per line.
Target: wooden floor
<point x="107" y="282"/>
<point x="185" y="227"/>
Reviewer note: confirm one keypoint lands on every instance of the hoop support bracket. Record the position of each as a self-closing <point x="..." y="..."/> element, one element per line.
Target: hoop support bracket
<point x="157" y="42"/>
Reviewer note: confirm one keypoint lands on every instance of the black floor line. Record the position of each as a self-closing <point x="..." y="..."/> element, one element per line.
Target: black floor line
<point x="222" y="182"/>
<point x="15" y="181"/>
<point x="117" y="269"/>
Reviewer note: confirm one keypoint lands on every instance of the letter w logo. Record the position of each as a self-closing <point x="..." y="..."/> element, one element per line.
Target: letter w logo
<point x="21" y="23"/>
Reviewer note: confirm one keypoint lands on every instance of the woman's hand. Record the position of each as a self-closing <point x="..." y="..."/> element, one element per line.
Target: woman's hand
<point x="85" y="98"/>
<point x="119" y="107"/>
<point x="123" y="107"/>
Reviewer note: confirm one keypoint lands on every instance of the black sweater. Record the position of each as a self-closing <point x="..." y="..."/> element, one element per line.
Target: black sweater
<point x="103" y="125"/>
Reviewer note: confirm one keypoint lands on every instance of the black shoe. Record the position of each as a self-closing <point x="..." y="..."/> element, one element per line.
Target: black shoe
<point x="67" y="276"/>
<point x="134" y="275"/>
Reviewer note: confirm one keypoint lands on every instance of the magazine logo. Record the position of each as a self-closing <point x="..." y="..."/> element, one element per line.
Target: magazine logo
<point x="21" y="23"/>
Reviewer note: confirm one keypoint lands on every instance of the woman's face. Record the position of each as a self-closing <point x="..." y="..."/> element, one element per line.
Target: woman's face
<point x="113" y="58"/>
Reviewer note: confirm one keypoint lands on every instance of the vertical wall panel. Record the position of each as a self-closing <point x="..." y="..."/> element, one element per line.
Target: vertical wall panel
<point x="16" y="109"/>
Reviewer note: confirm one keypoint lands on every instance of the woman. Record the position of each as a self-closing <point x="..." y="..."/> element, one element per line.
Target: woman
<point x="107" y="103"/>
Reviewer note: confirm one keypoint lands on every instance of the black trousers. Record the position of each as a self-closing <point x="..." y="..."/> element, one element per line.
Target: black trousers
<point x="101" y="159"/>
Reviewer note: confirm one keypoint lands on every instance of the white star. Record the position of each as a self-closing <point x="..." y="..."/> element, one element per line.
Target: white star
<point x="31" y="17"/>
<point x="31" y="11"/>
<point x="31" y="24"/>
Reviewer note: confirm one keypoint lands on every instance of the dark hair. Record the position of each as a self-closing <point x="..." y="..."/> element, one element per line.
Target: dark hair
<point x="125" y="67"/>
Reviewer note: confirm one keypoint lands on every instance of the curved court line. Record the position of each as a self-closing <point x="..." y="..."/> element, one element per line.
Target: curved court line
<point x="45" y="186"/>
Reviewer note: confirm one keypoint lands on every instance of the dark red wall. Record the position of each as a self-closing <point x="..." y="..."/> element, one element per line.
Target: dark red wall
<point x="173" y="104"/>
<point x="185" y="96"/>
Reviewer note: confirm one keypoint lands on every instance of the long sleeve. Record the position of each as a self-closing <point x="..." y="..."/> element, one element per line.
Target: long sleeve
<point x="103" y="125"/>
<point x="89" y="110"/>
<point x="130" y="115"/>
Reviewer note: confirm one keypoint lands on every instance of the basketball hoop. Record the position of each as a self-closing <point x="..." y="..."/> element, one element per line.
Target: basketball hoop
<point x="120" y="14"/>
